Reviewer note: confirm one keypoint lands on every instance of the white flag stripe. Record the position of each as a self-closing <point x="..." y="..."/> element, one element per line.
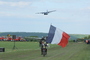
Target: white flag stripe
<point x="57" y="37"/>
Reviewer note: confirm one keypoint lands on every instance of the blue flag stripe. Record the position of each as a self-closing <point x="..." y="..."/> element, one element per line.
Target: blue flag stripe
<point x="51" y="34"/>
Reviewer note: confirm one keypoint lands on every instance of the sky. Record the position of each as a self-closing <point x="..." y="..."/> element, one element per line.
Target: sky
<point x="71" y="16"/>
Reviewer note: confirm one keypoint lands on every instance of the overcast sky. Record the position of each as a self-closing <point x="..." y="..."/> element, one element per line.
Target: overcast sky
<point x="71" y="16"/>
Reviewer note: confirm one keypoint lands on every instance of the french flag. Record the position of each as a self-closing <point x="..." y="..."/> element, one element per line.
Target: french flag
<point x="57" y="36"/>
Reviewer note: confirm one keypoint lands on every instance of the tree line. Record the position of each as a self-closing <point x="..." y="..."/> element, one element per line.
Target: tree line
<point x="88" y="37"/>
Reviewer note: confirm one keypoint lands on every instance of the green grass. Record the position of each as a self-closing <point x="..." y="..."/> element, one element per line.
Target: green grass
<point x="31" y="51"/>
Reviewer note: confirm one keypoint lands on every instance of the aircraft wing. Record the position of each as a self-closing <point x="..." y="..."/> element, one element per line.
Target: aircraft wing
<point x="51" y="11"/>
<point x="46" y="13"/>
<point x="40" y="13"/>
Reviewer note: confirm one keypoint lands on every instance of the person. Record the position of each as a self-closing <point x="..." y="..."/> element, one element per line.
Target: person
<point x="43" y="46"/>
<point x="40" y="42"/>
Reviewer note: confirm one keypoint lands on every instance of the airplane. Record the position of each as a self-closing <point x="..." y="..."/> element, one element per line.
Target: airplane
<point x="46" y="13"/>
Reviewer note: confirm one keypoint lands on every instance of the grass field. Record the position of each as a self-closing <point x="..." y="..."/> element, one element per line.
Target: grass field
<point x="31" y="51"/>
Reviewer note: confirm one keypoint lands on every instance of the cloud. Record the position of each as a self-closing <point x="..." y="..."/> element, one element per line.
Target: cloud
<point x="12" y="14"/>
<point x="86" y="8"/>
<point x="17" y="4"/>
<point x="61" y="1"/>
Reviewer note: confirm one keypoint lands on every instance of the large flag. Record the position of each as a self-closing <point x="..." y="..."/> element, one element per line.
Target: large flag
<point x="57" y="36"/>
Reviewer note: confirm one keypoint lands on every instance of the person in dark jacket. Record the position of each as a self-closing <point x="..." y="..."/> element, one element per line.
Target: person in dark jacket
<point x="43" y="46"/>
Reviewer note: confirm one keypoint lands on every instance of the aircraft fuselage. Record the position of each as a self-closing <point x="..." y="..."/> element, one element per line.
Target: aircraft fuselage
<point x="45" y="13"/>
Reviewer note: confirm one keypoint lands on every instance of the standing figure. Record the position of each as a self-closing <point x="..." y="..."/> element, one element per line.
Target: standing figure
<point x="43" y="47"/>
